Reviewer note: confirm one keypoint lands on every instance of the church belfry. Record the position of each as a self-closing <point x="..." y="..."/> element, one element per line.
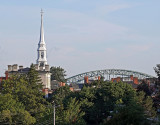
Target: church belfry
<point x="41" y="51"/>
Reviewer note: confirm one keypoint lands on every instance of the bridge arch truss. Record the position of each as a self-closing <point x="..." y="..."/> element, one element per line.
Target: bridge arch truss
<point x="108" y="74"/>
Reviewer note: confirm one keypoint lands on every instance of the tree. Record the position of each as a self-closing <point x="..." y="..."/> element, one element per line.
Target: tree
<point x="34" y="101"/>
<point x="26" y="89"/>
<point x="60" y="94"/>
<point x="87" y="98"/>
<point x="13" y="112"/>
<point x="145" y="88"/>
<point x="147" y="103"/>
<point x="157" y="85"/>
<point x="102" y="98"/>
<point x="58" y="74"/>
<point x="58" y="97"/>
<point x="131" y="114"/>
<point x="33" y="79"/>
<point x="95" y="102"/>
<point x="72" y="114"/>
<point x="134" y="112"/>
<point x="68" y="109"/>
<point x="157" y="71"/>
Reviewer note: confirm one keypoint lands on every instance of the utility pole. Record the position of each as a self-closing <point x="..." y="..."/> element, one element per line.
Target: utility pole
<point x="54" y="114"/>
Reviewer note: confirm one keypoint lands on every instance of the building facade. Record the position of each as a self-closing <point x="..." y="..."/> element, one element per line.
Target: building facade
<point x="44" y="73"/>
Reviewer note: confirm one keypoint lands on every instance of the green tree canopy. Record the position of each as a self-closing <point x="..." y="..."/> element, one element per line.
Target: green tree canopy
<point x="157" y="71"/>
<point x="58" y="74"/>
<point x="131" y="114"/>
<point x="26" y="89"/>
<point x="145" y="88"/>
<point x="72" y="114"/>
<point x="103" y="98"/>
<point x="13" y="112"/>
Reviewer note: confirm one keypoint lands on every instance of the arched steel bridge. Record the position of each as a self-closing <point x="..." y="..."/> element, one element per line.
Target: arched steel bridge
<point x="109" y="73"/>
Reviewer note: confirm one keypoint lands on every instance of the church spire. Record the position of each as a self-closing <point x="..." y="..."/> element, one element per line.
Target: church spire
<point x="41" y="40"/>
<point x="42" y="54"/>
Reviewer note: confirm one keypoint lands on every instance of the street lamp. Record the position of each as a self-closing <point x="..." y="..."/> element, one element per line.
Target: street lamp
<point x="54" y="114"/>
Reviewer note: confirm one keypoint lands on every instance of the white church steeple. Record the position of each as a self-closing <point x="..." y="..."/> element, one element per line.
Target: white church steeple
<point x="42" y="54"/>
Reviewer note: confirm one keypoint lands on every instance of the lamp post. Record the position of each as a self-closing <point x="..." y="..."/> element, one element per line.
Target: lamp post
<point x="54" y="114"/>
<point x="54" y="121"/>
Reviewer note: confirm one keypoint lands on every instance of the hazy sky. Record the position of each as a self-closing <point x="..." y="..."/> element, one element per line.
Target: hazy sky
<point x="82" y="35"/>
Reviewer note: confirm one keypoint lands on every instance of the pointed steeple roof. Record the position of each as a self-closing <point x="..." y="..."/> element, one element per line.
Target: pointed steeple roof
<point x="41" y="40"/>
<point x="42" y="54"/>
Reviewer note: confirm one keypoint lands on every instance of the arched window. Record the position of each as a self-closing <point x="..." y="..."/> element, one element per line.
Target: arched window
<point x="42" y="55"/>
<point x="41" y="64"/>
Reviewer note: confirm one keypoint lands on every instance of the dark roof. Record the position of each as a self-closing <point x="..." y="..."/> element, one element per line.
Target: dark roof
<point x="77" y="86"/>
<point x="24" y="70"/>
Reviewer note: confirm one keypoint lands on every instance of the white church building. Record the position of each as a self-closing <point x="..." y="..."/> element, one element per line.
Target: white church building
<point x="41" y="63"/>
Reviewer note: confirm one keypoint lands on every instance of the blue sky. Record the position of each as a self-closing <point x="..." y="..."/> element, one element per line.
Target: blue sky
<point x="82" y="35"/>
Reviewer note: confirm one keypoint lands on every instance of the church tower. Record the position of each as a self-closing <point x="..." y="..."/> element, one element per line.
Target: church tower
<point x="42" y="54"/>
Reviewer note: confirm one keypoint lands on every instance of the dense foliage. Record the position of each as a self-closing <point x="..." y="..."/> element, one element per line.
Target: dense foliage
<point x="157" y="71"/>
<point x="21" y="99"/>
<point x="58" y="73"/>
<point x="99" y="103"/>
<point x="145" y="88"/>
<point x="103" y="103"/>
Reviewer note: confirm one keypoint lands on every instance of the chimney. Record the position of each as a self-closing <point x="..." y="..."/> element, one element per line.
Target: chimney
<point x="71" y="89"/>
<point x="118" y="79"/>
<point x="1" y="79"/>
<point x="112" y="79"/>
<point x="86" y="79"/>
<point x="15" y="67"/>
<point x="135" y="80"/>
<point x="148" y="82"/>
<point x="9" y="68"/>
<point x="99" y="78"/>
<point x="63" y="84"/>
<point x="36" y="67"/>
<point x="6" y="73"/>
<point x="46" y="67"/>
<point x="45" y="90"/>
<point x="131" y="77"/>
